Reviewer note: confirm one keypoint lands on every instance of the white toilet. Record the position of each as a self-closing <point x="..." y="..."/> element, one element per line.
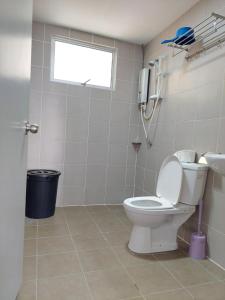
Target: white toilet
<point x="156" y="219"/>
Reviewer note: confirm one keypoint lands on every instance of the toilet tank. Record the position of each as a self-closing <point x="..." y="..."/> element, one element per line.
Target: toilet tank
<point x="193" y="184"/>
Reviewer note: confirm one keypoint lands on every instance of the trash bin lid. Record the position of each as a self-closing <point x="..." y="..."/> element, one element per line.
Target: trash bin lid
<point x="43" y="173"/>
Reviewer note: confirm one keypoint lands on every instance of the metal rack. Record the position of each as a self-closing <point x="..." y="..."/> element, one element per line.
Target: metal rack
<point x="208" y="34"/>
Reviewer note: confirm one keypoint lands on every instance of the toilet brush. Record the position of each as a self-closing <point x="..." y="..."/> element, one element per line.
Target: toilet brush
<point x="197" y="248"/>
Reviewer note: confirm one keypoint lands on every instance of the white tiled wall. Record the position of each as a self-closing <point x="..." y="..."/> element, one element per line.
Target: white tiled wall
<point x="191" y="117"/>
<point x="86" y="133"/>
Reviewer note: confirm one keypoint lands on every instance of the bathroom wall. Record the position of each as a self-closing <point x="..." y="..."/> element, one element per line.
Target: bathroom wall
<point x="86" y="133"/>
<point x="191" y="116"/>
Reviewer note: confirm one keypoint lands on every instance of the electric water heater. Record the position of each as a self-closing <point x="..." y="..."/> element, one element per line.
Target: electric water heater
<point x="143" y="88"/>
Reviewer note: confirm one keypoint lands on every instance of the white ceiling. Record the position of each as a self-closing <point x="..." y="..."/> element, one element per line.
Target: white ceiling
<point x="130" y="20"/>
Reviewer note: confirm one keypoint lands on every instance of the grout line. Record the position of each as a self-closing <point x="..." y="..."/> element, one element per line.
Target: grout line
<point x="78" y="257"/>
<point x="178" y="281"/>
<point x="87" y="141"/>
<point x="36" y="265"/>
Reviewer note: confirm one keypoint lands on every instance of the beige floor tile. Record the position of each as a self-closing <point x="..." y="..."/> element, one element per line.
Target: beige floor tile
<point x="71" y="287"/>
<point x="188" y="271"/>
<point x="173" y="295"/>
<point x="117" y="238"/>
<point x="74" y="212"/>
<point x="152" y="278"/>
<point x="213" y="291"/>
<point x="110" y="223"/>
<point x="83" y="243"/>
<point x="30" y="222"/>
<point x="218" y="272"/>
<point x="30" y="247"/>
<point x="111" y="285"/>
<point x="27" y="291"/>
<point x="58" y="218"/>
<point x="85" y="228"/>
<point x="100" y="210"/>
<point x="99" y="259"/>
<point x="127" y="258"/>
<point x="52" y="230"/>
<point x="29" y="268"/>
<point x="54" y="245"/>
<point x="170" y="256"/>
<point x="58" y="265"/>
<point x="30" y="232"/>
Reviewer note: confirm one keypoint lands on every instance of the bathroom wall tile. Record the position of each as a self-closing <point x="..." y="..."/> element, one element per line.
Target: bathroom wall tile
<point x="73" y="195"/>
<point x="125" y="50"/>
<point x="98" y="132"/>
<point x="206" y="142"/>
<point x="51" y="86"/>
<point x="36" y="78"/>
<point x="51" y="31"/>
<point x="38" y="31"/>
<point x="122" y="91"/>
<point x="53" y="127"/>
<point x="135" y="116"/>
<point x="79" y="106"/>
<point x="119" y="113"/>
<point x="96" y="175"/>
<point x="54" y="104"/>
<point x="37" y="53"/>
<point x="75" y="153"/>
<point x="52" y="151"/>
<point x="95" y="194"/>
<point x="74" y="175"/>
<point x="221" y="140"/>
<point x="184" y="135"/>
<point x="99" y="110"/>
<point x="80" y="35"/>
<point x="117" y="154"/>
<point x="47" y="55"/>
<point x="119" y="133"/>
<point x="116" y="175"/>
<point x="101" y="40"/>
<point x="77" y="128"/>
<point x="115" y="195"/>
<point x="78" y="91"/>
<point x="149" y="182"/>
<point x="35" y="105"/>
<point x="124" y="69"/>
<point x="97" y="153"/>
<point x="130" y="176"/>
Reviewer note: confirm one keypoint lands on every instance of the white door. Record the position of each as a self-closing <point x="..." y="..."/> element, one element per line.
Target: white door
<point x="15" y="54"/>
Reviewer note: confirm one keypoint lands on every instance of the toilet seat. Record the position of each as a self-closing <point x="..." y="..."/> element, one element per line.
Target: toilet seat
<point x="149" y="203"/>
<point x="167" y="191"/>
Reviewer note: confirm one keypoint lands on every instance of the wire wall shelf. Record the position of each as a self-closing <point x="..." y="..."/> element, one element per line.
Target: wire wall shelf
<point x="210" y="33"/>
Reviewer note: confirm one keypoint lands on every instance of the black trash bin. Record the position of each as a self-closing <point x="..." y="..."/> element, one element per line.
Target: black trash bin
<point x="41" y="193"/>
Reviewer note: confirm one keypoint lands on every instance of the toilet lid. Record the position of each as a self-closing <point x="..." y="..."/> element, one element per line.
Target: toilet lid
<point x="170" y="180"/>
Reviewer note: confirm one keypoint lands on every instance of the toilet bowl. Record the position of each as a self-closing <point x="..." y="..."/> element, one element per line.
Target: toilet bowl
<point x="156" y="219"/>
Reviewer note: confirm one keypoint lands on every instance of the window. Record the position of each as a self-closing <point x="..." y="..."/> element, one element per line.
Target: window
<point x="83" y="63"/>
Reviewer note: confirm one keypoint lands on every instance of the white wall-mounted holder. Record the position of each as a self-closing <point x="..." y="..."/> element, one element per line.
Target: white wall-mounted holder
<point x="215" y="161"/>
<point x="209" y="33"/>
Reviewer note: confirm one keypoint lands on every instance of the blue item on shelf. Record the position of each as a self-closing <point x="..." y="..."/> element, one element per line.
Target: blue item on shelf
<point x="184" y="36"/>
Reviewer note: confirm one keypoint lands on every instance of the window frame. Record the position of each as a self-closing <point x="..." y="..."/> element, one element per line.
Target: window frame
<point x="90" y="45"/>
